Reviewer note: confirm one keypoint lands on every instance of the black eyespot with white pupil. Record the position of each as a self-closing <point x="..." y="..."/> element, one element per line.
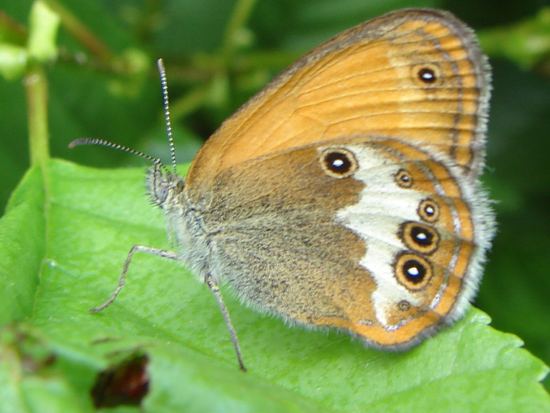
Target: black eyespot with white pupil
<point x="429" y="210"/>
<point x="404" y="179"/>
<point x="338" y="163"/>
<point x="419" y="237"/>
<point x="413" y="271"/>
<point x="427" y="75"/>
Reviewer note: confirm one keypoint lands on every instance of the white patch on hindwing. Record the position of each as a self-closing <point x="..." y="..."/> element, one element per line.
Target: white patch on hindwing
<point x="376" y="218"/>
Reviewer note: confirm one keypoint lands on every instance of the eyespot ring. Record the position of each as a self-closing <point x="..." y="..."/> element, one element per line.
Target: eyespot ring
<point x="404" y="305"/>
<point x="412" y="271"/>
<point x="338" y="162"/>
<point x="404" y="179"/>
<point x="429" y="210"/>
<point x="419" y="237"/>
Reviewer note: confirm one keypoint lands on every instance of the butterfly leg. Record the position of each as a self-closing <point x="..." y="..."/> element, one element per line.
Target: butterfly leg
<point x="209" y="282"/>
<point x="216" y="291"/>
<point x="142" y="248"/>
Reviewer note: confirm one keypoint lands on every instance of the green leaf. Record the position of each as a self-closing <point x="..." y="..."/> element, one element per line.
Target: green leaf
<point x="93" y="217"/>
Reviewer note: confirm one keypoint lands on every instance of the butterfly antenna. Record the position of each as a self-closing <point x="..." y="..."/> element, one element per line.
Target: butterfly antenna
<point x="93" y="141"/>
<point x="166" y="103"/>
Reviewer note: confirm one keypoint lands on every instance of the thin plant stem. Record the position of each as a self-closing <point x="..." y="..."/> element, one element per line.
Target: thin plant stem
<point x="36" y="87"/>
<point x="240" y="16"/>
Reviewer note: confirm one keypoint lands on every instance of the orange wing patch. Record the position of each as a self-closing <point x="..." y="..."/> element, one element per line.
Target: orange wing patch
<point x="419" y="80"/>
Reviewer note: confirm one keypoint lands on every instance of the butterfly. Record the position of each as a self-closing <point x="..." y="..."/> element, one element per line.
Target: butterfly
<point x="346" y="193"/>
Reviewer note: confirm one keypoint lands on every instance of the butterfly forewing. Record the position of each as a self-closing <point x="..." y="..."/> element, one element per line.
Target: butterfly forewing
<point x="415" y="75"/>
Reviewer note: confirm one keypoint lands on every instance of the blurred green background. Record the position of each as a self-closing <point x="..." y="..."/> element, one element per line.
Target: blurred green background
<point x="104" y="84"/>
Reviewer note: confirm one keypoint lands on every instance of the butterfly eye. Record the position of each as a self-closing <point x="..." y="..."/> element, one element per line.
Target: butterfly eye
<point x="338" y="163"/>
<point x="179" y="186"/>
<point x="413" y="271"/>
<point x="161" y="194"/>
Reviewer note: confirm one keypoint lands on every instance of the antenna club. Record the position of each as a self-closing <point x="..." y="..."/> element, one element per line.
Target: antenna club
<point x="83" y="141"/>
<point x="101" y="142"/>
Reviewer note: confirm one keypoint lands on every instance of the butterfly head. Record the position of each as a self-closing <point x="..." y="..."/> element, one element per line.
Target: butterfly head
<point x="164" y="186"/>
